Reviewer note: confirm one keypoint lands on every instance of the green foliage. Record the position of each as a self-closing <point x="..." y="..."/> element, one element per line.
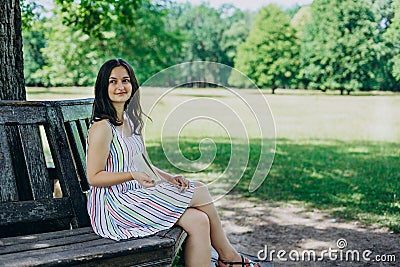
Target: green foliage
<point x="72" y="57"/>
<point x="236" y="32"/>
<point x="209" y="34"/>
<point x="149" y="46"/>
<point x="293" y="11"/>
<point x="94" y="17"/>
<point x="34" y="41"/>
<point x="300" y="19"/>
<point x="392" y="42"/>
<point x="340" y="48"/>
<point x="29" y="12"/>
<point x="270" y="54"/>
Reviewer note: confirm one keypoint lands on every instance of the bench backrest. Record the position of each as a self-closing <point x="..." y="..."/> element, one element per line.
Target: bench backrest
<point x="76" y="116"/>
<point x="27" y="204"/>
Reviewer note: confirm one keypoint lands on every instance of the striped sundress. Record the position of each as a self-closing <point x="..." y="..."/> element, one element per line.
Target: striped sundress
<point x="128" y="209"/>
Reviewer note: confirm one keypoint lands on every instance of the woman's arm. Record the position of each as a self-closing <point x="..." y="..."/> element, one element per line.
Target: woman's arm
<point x="165" y="175"/>
<point x="99" y="140"/>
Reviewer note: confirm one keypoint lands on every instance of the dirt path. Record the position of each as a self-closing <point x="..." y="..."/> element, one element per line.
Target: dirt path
<point x="290" y="227"/>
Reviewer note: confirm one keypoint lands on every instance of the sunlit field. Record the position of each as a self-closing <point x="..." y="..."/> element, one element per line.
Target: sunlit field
<point x="336" y="153"/>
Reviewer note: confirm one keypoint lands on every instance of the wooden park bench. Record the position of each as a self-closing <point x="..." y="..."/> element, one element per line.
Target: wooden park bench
<point x="41" y="142"/>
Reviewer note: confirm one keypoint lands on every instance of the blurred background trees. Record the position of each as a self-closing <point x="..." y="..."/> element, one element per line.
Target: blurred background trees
<point x="330" y="45"/>
<point x="269" y="56"/>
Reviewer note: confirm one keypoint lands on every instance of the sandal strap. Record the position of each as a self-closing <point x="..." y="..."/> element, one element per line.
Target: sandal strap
<point x="243" y="263"/>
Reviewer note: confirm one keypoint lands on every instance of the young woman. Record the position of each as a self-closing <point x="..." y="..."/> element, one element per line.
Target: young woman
<point x="125" y="203"/>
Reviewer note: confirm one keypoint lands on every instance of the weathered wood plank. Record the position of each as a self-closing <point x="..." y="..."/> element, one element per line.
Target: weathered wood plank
<point x="55" y="241"/>
<point x="37" y="210"/>
<point x="21" y="174"/>
<point x="65" y="166"/>
<point x="78" y="151"/>
<point x="177" y="234"/>
<point x="139" y="251"/>
<point x="83" y="130"/>
<point x="35" y="161"/>
<point x="22" y="114"/>
<point x="8" y="185"/>
<point x="75" y="110"/>
<point x="34" y="238"/>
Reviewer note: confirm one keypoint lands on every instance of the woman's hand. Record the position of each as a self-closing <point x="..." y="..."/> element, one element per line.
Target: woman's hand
<point x="181" y="182"/>
<point x="143" y="179"/>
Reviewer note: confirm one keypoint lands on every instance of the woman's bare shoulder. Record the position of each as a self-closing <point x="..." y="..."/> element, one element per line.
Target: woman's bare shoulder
<point x="100" y="129"/>
<point x="102" y="124"/>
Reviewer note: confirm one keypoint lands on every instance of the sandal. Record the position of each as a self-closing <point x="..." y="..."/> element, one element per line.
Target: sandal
<point x="244" y="263"/>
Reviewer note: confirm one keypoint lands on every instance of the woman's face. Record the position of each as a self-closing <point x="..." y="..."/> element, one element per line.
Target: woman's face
<point x="119" y="85"/>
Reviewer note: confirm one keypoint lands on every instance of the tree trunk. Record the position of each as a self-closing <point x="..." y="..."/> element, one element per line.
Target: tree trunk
<point x="12" y="83"/>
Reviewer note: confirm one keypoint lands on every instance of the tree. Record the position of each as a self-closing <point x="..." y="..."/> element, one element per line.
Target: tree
<point x="11" y="59"/>
<point x="270" y="54"/>
<point x="392" y="44"/>
<point x="202" y="27"/>
<point x="300" y="19"/>
<point x="150" y="46"/>
<point x="236" y="33"/>
<point x="339" y="46"/>
<point x="71" y="57"/>
<point x="34" y="41"/>
<point x="208" y="34"/>
<point x="94" y="17"/>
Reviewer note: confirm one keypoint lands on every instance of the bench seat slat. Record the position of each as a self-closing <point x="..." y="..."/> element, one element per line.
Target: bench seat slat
<point x="34" y="211"/>
<point x="75" y="254"/>
<point x="176" y="234"/>
<point x="83" y="247"/>
<point x="55" y="241"/>
<point x="33" y="238"/>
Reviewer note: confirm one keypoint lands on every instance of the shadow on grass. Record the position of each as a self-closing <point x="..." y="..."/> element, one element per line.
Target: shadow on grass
<point x="353" y="179"/>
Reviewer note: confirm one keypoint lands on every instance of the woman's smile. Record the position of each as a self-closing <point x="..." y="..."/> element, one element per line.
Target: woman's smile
<point x="119" y="85"/>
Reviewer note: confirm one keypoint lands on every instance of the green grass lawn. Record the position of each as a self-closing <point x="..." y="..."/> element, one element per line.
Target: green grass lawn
<point x="335" y="153"/>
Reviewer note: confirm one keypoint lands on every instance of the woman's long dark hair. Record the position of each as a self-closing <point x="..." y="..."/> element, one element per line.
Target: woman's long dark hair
<point x="102" y="106"/>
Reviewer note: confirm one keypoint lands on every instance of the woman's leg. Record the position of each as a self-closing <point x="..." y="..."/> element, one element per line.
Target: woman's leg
<point x="198" y="244"/>
<point x="203" y="201"/>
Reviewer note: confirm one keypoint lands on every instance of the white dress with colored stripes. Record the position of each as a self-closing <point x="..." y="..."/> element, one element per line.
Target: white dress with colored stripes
<point x="128" y="209"/>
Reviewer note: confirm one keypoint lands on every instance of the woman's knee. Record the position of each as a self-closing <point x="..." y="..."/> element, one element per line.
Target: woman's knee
<point x="195" y="221"/>
<point x="200" y="185"/>
<point x="201" y="195"/>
